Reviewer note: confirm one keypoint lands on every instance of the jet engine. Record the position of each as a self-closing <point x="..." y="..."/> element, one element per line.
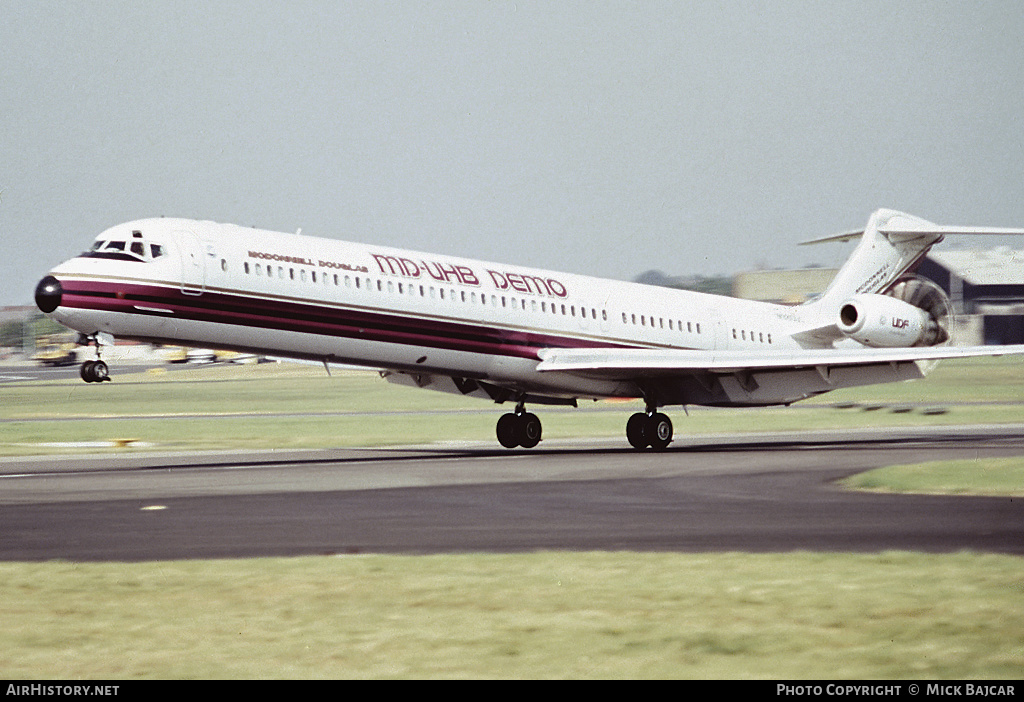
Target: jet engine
<point x="913" y="312"/>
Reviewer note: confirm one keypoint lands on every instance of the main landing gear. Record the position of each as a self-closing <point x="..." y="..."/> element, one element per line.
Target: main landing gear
<point x="644" y="429"/>
<point x="649" y="428"/>
<point x="94" y="371"/>
<point x="519" y="428"/>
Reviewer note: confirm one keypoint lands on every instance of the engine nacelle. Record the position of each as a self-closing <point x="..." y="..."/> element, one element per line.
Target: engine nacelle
<point x="885" y="322"/>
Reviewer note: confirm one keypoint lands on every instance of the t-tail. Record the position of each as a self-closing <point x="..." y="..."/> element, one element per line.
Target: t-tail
<point x="875" y="297"/>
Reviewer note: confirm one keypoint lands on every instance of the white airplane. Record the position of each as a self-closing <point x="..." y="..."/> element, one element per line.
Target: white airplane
<point x="509" y="333"/>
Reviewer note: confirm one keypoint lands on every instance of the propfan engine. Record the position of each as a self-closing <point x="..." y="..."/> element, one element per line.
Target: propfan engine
<point x="913" y="312"/>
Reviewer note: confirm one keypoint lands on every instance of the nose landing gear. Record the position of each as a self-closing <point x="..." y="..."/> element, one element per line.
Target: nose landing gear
<point x="94" y="371"/>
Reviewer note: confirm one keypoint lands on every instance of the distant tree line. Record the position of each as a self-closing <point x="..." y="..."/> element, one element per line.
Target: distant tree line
<point x="715" y="285"/>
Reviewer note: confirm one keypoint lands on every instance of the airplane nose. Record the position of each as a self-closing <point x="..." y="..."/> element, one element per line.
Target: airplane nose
<point x="48" y="294"/>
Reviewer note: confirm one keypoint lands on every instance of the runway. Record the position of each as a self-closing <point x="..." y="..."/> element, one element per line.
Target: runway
<point x="753" y="492"/>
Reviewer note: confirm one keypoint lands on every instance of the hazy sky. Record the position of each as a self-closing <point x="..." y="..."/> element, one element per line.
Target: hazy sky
<point x="605" y="138"/>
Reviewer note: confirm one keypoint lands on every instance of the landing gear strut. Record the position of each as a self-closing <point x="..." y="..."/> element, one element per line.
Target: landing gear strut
<point x="649" y="428"/>
<point x="94" y="371"/>
<point x="519" y="428"/>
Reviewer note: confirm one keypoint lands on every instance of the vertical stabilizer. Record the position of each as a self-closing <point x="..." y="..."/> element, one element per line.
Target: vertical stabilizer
<point x="891" y="245"/>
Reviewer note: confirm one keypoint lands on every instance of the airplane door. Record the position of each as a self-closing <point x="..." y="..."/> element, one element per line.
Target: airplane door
<point x="605" y="315"/>
<point x="193" y="264"/>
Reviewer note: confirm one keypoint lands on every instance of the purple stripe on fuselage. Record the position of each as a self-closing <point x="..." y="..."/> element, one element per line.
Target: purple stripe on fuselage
<point x="341" y="322"/>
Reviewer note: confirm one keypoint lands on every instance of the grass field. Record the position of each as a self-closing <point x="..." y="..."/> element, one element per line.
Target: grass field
<point x="538" y="615"/>
<point x="293" y="406"/>
<point x="992" y="476"/>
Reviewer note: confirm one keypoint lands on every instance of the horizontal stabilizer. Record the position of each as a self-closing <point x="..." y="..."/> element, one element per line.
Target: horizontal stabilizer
<point x="898" y="226"/>
<point x="844" y="236"/>
<point x="901" y="228"/>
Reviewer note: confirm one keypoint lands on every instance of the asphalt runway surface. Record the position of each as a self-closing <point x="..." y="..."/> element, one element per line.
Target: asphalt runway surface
<point x="751" y="493"/>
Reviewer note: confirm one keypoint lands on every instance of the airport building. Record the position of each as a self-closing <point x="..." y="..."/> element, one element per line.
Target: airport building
<point x="783" y="287"/>
<point x="986" y="289"/>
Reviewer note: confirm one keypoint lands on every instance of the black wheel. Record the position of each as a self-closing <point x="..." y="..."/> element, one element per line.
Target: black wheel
<point x="636" y="430"/>
<point x="529" y="430"/>
<point x="659" y="430"/>
<point x="100" y="372"/>
<point x="508" y="430"/>
<point x="86" y="371"/>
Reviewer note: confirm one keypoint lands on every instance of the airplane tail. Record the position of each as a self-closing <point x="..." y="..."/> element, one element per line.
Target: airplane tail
<point x="891" y="247"/>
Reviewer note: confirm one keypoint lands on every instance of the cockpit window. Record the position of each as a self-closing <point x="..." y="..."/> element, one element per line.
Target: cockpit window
<point x="134" y="249"/>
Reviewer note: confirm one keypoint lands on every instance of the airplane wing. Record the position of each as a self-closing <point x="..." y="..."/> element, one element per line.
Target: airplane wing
<point x="634" y="363"/>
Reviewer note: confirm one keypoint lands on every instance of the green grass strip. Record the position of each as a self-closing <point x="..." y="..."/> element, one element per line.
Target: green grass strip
<point x="990" y="476"/>
<point x="537" y="615"/>
<point x="296" y="406"/>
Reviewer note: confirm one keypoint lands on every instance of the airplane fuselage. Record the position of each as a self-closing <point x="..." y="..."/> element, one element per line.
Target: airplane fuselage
<point x="319" y="299"/>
